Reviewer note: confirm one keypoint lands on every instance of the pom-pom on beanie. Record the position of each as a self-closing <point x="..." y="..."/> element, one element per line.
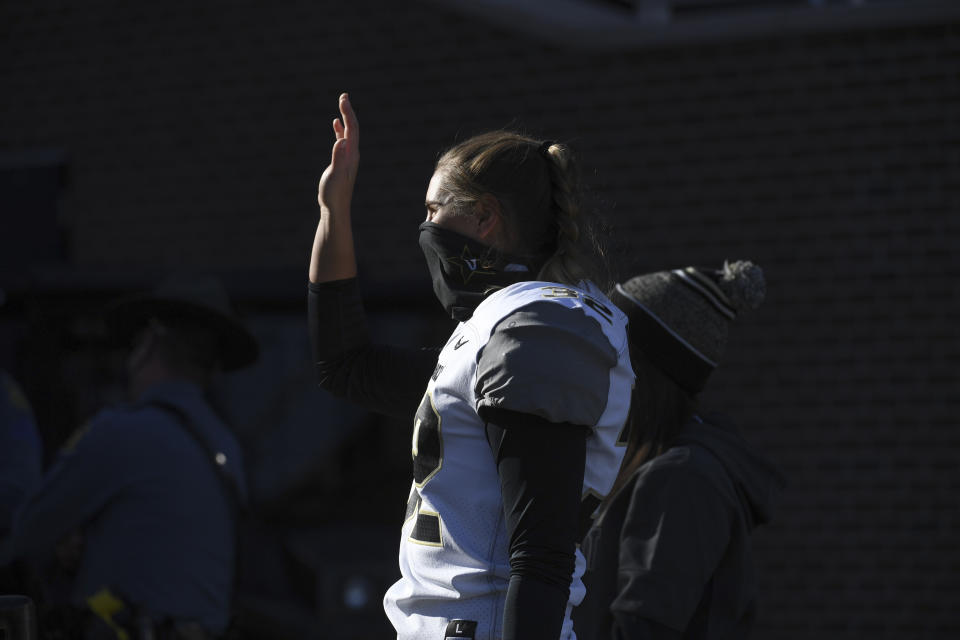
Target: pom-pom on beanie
<point x="680" y="319"/>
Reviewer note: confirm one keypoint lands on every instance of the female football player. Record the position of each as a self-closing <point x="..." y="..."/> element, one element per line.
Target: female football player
<point x="515" y="438"/>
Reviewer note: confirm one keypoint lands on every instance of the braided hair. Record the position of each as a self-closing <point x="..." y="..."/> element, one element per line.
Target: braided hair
<point x="537" y="186"/>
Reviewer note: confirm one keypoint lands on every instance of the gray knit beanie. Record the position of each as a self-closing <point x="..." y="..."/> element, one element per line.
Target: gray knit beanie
<point x="680" y="318"/>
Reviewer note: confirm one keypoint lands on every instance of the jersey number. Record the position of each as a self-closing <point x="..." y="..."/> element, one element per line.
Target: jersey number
<point x="426" y="528"/>
<point x="427" y="460"/>
<point x="563" y="292"/>
<point x="427" y="446"/>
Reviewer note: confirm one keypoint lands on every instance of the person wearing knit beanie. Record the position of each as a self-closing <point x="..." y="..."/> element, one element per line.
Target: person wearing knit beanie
<point x="680" y="319"/>
<point x="669" y="552"/>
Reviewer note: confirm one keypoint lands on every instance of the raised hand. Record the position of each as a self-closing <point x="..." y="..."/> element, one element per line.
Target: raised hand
<point x="336" y="185"/>
<point x="332" y="257"/>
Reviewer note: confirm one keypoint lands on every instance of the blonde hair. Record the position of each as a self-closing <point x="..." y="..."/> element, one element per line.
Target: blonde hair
<point x="537" y="186"/>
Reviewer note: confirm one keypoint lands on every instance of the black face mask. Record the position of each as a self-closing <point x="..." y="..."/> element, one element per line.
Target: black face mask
<point x="464" y="271"/>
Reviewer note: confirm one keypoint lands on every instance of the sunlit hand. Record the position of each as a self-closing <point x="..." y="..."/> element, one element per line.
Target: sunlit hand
<point x="336" y="184"/>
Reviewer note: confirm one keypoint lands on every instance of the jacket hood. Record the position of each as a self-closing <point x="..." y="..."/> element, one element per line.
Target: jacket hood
<point x="757" y="480"/>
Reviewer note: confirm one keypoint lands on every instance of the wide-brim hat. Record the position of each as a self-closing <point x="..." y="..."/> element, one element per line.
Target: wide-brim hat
<point x="183" y="300"/>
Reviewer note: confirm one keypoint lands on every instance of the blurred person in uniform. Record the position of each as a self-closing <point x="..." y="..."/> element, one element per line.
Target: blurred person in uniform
<point x="669" y="555"/>
<point x="21" y="467"/>
<point x="154" y="485"/>
<point x="21" y="450"/>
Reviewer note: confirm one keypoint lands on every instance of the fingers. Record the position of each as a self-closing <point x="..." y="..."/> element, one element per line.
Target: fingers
<point x="350" y="123"/>
<point x="337" y="153"/>
<point x="347" y="130"/>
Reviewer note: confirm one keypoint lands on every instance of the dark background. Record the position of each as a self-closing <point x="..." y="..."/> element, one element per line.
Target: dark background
<point x="820" y="139"/>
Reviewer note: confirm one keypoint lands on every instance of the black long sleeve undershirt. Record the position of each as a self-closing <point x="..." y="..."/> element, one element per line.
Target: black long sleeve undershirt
<point x="540" y="464"/>
<point x="382" y="378"/>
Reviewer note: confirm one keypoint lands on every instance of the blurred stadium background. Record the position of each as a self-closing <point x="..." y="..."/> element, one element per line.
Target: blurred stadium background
<point x="819" y="138"/>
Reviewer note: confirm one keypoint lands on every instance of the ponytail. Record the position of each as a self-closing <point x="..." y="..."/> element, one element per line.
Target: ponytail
<point x="578" y="254"/>
<point x="537" y="185"/>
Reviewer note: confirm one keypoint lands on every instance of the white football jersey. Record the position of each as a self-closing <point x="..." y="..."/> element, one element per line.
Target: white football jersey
<point x="454" y="549"/>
